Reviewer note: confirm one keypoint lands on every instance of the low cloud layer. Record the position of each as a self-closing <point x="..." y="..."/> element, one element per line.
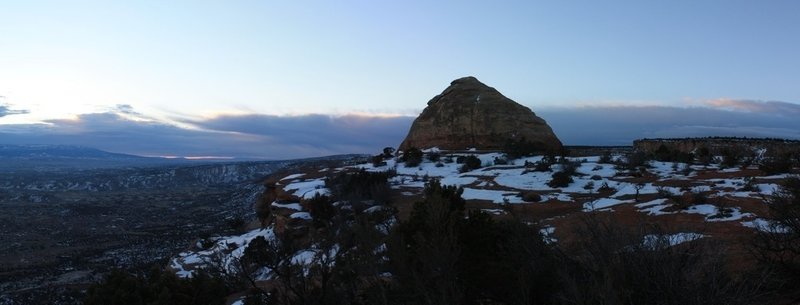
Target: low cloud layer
<point x="620" y="125"/>
<point x="122" y="129"/>
<point x="247" y="136"/>
<point x="6" y="110"/>
<point x="754" y="106"/>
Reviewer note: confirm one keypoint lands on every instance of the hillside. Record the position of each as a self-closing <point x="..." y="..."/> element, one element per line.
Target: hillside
<point x="664" y="204"/>
<point x="61" y="230"/>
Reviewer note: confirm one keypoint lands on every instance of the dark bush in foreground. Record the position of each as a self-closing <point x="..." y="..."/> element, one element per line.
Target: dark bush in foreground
<point x="641" y="265"/>
<point x="360" y="185"/>
<point x="157" y="288"/>
<point x="377" y="161"/>
<point x="471" y="162"/>
<point x="531" y="197"/>
<point x="434" y="156"/>
<point x="634" y="161"/>
<point x="560" y="179"/>
<point x="321" y="209"/>
<point x="441" y="257"/>
<point x="776" y="165"/>
<point x="412" y="157"/>
<point x="777" y="244"/>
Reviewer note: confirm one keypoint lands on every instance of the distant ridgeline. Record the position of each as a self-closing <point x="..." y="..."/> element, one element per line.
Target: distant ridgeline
<point x="718" y="145"/>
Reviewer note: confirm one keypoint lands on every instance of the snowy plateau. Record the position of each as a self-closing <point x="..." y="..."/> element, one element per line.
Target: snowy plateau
<point x="690" y="202"/>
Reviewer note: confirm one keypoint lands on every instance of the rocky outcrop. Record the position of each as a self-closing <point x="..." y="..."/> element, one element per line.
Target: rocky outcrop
<point x="470" y="114"/>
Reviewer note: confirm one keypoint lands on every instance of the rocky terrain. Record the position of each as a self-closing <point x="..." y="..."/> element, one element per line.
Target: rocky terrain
<point x="470" y="114"/>
<point x="62" y="229"/>
<point x="688" y="201"/>
<point x="671" y="198"/>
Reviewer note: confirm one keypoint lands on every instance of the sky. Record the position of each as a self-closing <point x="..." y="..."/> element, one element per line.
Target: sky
<point x="286" y="79"/>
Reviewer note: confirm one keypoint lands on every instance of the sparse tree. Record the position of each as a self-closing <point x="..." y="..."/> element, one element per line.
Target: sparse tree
<point x="777" y="244"/>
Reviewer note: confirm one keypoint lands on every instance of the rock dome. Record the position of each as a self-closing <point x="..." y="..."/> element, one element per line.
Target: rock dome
<point x="470" y="114"/>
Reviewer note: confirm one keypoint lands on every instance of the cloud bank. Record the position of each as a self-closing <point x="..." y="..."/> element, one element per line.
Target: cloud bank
<point x="246" y="136"/>
<point x="122" y="129"/>
<point x="619" y="125"/>
<point x="755" y="106"/>
<point x="6" y="110"/>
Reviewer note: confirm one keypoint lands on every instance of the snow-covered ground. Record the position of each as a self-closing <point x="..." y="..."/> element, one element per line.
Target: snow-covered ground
<point x="307" y="189"/>
<point x="223" y="253"/>
<point x="501" y="183"/>
<point x="506" y="184"/>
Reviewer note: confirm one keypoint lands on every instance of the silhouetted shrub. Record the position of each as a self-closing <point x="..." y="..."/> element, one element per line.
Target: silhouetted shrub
<point x="619" y="264"/>
<point x="730" y="157"/>
<point x="560" y="179"/>
<point x="698" y="197"/>
<point x="434" y="156"/>
<point x="662" y="153"/>
<point x="377" y="161"/>
<point x="156" y="287"/>
<point x="236" y="223"/>
<point x="605" y="188"/>
<point x="388" y="152"/>
<point x="441" y="257"/>
<point x="412" y="157"/>
<point x="635" y="160"/>
<point x="543" y="165"/>
<point x="704" y="155"/>
<point x="750" y="185"/>
<point x="263" y="208"/>
<point x="470" y="162"/>
<point x="777" y="244"/>
<point x="664" y="192"/>
<point x="569" y="167"/>
<point x="505" y="261"/>
<point x="605" y="158"/>
<point x="531" y="197"/>
<point x="424" y="249"/>
<point x="321" y="209"/>
<point x="360" y="185"/>
<point x="778" y="164"/>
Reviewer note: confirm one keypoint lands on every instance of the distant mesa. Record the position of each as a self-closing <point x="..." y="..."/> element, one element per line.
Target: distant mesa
<point x="470" y="114"/>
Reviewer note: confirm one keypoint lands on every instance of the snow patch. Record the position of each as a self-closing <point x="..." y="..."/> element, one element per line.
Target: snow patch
<point x="308" y="189"/>
<point x="764" y="225"/>
<point x="291" y="206"/>
<point x="653" y="241"/>
<point x="602" y="203"/>
<point x="491" y="195"/>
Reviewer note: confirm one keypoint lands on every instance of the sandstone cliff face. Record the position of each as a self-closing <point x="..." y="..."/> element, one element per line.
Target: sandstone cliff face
<point x="470" y="114"/>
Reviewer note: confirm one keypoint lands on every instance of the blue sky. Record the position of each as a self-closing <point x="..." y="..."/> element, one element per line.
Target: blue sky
<point x="72" y="71"/>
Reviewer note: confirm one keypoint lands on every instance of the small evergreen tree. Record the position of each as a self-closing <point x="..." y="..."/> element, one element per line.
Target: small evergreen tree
<point x="412" y="157"/>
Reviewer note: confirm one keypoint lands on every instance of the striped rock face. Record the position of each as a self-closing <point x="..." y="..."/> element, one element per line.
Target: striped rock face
<point x="470" y="114"/>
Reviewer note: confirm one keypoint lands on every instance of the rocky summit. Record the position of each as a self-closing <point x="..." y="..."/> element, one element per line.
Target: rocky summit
<point x="470" y="114"/>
